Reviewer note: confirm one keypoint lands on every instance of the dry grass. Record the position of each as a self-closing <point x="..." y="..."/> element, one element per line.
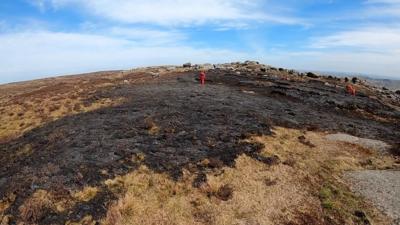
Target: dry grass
<point x="36" y="207"/>
<point x="321" y="168"/>
<point x="151" y="126"/>
<point x="5" y="204"/>
<point x="42" y="202"/>
<point x="33" y="111"/>
<point x="305" y="189"/>
<point x="87" y="194"/>
<point x="240" y="195"/>
<point x="87" y="220"/>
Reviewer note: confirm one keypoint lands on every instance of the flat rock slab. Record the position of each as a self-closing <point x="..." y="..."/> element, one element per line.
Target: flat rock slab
<point x="363" y="142"/>
<point x="381" y="187"/>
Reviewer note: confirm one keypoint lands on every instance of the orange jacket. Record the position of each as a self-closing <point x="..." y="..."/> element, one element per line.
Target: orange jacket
<point x="350" y="89"/>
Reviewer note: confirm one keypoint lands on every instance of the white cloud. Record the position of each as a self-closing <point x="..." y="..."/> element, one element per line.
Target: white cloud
<point x="29" y="55"/>
<point x="176" y="12"/>
<point x="383" y="8"/>
<point x="377" y="38"/>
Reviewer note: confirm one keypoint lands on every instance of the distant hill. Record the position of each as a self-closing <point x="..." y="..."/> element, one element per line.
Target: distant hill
<point x="390" y="84"/>
<point x="387" y="83"/>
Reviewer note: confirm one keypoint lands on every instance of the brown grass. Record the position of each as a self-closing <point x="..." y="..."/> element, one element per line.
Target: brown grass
<point x="36" y="207"/>
<point x="87" y="220"/>
<point x="321" y="166"/>
<point x="239" y="196"/>
<point x="87" y="194"/>
<point x="305" y="188"/>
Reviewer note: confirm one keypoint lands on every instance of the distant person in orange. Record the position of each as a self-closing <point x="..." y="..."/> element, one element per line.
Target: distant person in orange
<point x="351" y="90"/>
<point x="202" y="77"/>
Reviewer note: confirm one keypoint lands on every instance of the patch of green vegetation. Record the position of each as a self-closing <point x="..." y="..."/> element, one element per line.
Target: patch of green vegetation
<point x="327" y="197"/>
<point x="327" y="204"/>
<point x="338" y="201"/>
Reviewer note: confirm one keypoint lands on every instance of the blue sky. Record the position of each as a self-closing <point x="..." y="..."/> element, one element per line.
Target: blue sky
<point x="40" y="38"/>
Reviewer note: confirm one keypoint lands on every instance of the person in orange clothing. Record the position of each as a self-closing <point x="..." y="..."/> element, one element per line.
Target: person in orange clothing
<point x="351" y="90"/>
<point x="202" y="77"/>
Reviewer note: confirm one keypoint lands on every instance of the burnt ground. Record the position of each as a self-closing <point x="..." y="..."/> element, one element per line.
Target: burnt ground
<point x="174" y="124"/>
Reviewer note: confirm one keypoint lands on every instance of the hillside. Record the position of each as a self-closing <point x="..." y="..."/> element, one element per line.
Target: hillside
<point x="152" y="146"/>
<point x="386" y="83"/>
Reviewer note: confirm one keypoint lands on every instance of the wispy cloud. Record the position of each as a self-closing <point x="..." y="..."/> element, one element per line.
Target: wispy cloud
<point x="382" y="39"/>
<point x="175" y="12"/>
<point x="383" y="8"/>
<point x="147" y="36"/>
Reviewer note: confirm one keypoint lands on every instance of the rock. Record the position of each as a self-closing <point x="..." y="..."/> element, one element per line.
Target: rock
<point x="171" y="68"/>
<point x="187" y="65"/>
<point x="376" y="145"/>
<point x="248" y="92"/>
<point x="354" y="80"/>
<point x="398" y="92"/>
<point x="207" y="66"/>
<point x="312" y="75"/>
<point x="346" y="79"/>
<point x="251" y="63"/>
<point x="381" y="187"/>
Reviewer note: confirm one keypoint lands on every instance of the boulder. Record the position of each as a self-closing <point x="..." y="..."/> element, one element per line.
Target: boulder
<point x="207" y="66"/>
<point x="187" y="65"/>
<point x="312" y="75"/>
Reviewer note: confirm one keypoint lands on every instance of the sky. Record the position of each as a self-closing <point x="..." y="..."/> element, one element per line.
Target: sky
<point x="42" y="38"/>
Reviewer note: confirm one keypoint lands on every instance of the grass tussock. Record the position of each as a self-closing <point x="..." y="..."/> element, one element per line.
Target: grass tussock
<point x="87" y="194"/>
